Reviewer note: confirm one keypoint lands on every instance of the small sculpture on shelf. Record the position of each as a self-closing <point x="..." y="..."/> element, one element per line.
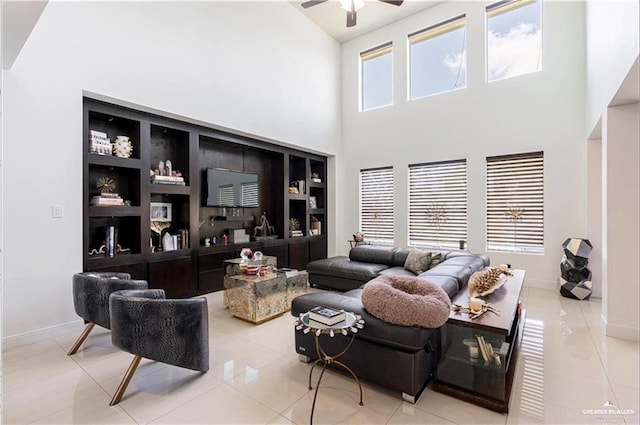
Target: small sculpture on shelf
<point x="294" y="227"/>
<point x="106" y="185"/>
<point x="264" y="230"/>
<point x="164" y="174"/>
<point x="122" y="147"/>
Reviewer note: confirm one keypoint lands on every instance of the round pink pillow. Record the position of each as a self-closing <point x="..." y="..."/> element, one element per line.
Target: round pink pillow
<point x="406" y="301"/>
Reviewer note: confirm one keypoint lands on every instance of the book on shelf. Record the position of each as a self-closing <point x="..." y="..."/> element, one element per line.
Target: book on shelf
<point x="98" y="134"/>
<point x="169" y="183"/>
<point x="326" y="316"/>
<point x="158" y="178"/>
<point x="107" y="199"/>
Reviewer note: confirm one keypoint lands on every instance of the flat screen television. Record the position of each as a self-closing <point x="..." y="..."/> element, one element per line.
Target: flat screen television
<point x="226" y="188"/>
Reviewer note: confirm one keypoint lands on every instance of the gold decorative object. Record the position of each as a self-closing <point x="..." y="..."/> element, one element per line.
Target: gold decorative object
<point x="159" y="226"/>
<point x="106" y="185"/>
<point x="486" y="281"/>
<point x="294" y="224"/>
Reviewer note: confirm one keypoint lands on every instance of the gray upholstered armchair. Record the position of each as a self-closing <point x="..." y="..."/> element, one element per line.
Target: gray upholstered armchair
<point x="174" y="331"/>
<point x="91" y="298"/>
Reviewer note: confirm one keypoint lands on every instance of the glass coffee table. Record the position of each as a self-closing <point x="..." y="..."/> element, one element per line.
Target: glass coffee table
<point x="350" y="325"/>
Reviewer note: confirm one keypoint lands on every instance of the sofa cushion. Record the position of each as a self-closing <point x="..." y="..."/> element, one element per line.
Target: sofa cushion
<point x="342" y="267"/>
<point x="447" y="283"/>
<point x="418" y="261"/>
<point x="474" y="262"/>
<point x="460" y="273"/>
<point x="406" y="301"/>
<point x="396" y="271"/>
<point x="373" y="254"/>
<point x="400" y="256"/>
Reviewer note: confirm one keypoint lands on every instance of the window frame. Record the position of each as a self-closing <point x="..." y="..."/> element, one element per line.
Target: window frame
<point x="452" y="175"/>
<point x="431" y="32"/>
<point x="388" y="217"/>
<point x="529" y="176"/>
<point x="509" y="5"/>
<point x="365" y="55"/>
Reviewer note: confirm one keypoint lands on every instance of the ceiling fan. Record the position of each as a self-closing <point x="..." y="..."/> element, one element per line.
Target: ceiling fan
<point x="351" y="6"/>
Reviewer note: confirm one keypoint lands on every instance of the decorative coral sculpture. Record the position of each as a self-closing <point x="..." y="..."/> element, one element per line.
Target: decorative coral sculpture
<point x="486" y="281"/>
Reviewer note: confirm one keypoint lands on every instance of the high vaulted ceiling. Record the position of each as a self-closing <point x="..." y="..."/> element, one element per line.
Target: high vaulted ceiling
<point x="331" y="18"/>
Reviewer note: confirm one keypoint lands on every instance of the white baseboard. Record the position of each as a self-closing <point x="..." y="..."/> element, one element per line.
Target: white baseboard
<point x="549" y="284"/>
<point x="620" y="331"/>
<point x="40" y="335"/>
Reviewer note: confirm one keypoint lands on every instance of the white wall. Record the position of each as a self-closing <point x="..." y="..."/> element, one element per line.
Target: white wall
<point x="540" y="111"/>
<point x="612" y="46"/>
<point x="594" y="212"/>
<point x="258" y="67"/>
<point x="620" y="220"/>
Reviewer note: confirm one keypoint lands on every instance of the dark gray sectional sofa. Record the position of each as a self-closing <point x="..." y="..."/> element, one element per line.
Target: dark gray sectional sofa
<point x="401" y="358"/>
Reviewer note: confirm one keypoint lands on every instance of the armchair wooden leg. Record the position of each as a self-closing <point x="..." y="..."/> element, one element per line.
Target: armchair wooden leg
<point x="81" y="338"/>
<point x="125" y="381"/>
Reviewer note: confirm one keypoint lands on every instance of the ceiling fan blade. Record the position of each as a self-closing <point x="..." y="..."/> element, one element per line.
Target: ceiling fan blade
<point x="351" y="17"/>
<point x="393" y="2"/>
<point x="310" y="3"/>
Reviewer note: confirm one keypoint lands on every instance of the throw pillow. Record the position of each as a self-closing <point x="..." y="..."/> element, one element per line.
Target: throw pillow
<point x="418" y="261"/>
<point x="436" y="258"/>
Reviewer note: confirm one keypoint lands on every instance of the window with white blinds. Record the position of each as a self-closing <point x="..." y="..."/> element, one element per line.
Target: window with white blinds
<point x="376" y="205"/>
<point x="515" y="203"/>
<point x="438" y="204"/>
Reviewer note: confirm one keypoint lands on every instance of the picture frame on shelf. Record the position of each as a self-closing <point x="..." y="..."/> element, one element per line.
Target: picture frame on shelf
<point x="313" y="202"/>
<point x="160" y="211"/>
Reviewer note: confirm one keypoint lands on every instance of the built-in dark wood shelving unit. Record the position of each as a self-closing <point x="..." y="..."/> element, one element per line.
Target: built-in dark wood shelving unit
<point x="191" y="149"/>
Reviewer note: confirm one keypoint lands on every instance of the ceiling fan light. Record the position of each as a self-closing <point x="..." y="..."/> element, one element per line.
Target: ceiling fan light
<point x="346" y="4"/>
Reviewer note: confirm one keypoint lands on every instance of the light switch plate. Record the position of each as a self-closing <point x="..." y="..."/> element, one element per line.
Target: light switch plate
<point x="57" y="211"/>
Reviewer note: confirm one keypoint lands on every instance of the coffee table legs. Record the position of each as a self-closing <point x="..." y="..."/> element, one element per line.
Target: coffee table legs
<point x="326" y="360"/>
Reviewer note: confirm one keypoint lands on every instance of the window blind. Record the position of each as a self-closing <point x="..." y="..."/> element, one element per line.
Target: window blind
<point x="376" y="205"/>
<point x="515" y="203"/>
<point x="501" y="7"/>
<point x="437" y="29"/>
<point x="438" y="204"/>
<point x="376" y="51"/>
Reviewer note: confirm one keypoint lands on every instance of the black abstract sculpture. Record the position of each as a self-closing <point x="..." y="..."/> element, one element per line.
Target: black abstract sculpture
<point x="575" y="277"/>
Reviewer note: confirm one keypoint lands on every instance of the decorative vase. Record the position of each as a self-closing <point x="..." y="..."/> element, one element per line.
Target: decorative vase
<point x="246" y="254"/>
<point x="122" y="147"/>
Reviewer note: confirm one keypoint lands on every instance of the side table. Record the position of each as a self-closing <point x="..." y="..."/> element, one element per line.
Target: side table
<point x="351" y="324"/>
<point x="463" y="372"/>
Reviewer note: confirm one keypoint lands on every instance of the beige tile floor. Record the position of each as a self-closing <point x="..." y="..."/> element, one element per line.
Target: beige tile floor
<point x="566" y="368"/>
